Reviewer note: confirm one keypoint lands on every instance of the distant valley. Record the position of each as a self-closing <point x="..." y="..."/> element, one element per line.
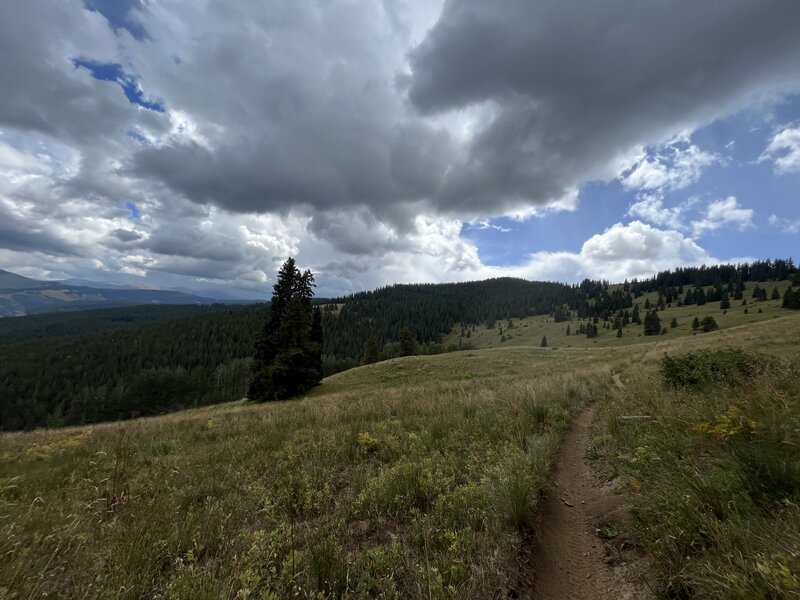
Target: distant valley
<point x="20" y="296"/>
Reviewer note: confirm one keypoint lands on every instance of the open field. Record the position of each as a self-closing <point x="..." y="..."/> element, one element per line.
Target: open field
<point x="529" y="331"/>
<point x="420" y="486"/>
<point x="415" y="477"/>
<point x="714" y="473"/>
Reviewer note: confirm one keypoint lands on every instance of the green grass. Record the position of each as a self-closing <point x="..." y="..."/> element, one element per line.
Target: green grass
<point x="529" y="331"/>
<point x="715" y="475"/>
<point x="411" y="478"/>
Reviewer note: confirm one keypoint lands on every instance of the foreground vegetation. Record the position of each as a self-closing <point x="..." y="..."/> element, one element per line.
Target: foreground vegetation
<point x="715" y="473"/>
<point x="416" y="478"/>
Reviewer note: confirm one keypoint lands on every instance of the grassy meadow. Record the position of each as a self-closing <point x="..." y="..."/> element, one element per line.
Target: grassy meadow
<point x="412" y="478"/>
<point x="529" y="331"/>
<point x="715" y="473"/>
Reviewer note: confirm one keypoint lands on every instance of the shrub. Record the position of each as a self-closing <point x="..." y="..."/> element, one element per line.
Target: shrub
<point x="707" y="367"/>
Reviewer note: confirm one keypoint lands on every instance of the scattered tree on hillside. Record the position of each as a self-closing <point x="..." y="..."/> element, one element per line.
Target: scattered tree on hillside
<point x="700" y="297"/>
<point x="567" y="330"/>
<point x="776" y="295"/>
<point x="673" y="323"/>
<point x="544" y="342"/>
<point x="696" y="324"/>
<point x="708" y="323"/>
<point x="725" y="303"/>
<point x="791" y="299"/>
<point x="619" y="332"/>
<point x="652" y="323"/>
<point x="287" y="360"/>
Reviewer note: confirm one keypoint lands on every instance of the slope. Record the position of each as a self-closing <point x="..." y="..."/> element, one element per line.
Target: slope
<point x="416" y="477"/>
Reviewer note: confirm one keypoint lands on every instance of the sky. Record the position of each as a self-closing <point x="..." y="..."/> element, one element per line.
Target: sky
<point x="195" y="144"/>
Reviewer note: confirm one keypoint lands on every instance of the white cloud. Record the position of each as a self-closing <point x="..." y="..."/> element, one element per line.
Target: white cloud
<point x="675" y="167"/>
<point x="722" y="213"/>
<point x="651" y="208"/>
<point x="486" y="224"/>
<point x="785" y="225"/>
<point x="784" y="151"/>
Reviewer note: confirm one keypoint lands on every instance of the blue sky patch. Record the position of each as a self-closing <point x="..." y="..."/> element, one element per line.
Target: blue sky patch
<point x="129" y="84"/>
<point x="135" y="212"/>
<point x="737" y="143"/>
<point x="118" y="15"/>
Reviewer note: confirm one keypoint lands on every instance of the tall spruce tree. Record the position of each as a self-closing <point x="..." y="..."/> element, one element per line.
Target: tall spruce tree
<point x="287" y="360"/>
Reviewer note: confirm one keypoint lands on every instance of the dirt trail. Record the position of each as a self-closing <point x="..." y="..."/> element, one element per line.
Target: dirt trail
<point x="569" y="560"/>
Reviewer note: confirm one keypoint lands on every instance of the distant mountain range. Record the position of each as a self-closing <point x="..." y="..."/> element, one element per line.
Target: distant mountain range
<point x="23" y="296"/>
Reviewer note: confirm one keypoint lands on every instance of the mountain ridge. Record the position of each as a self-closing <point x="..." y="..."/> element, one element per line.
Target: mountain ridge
<point x="22" y="296"/>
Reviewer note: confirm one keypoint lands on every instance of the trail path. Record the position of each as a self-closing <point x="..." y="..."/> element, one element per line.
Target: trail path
<point x="569" y="560"/>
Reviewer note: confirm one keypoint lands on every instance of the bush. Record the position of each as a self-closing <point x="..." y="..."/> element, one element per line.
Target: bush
<point x="713" y="367"/>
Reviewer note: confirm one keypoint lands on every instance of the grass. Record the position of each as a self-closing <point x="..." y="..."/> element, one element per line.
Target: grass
<point x="411" y="478"/>
<point x="715" y="475"/>
<point x="529" y="331"/>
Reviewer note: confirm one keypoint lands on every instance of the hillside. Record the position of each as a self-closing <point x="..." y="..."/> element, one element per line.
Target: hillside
<point x="12" y="281"/>
<point x="21" y="296"/>
<point x="416" y="477"/>
<point x="530" y="330"/>
<point x="84" y="367"/>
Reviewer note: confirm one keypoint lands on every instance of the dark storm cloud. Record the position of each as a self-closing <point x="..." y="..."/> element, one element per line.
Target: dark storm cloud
<point x="573" y="87"/>
<point x="343" y="162"/>
<point x="126" y="235"/>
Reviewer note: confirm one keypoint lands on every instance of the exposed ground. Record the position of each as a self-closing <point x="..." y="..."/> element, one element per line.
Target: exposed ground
<point x="570" y="560"/>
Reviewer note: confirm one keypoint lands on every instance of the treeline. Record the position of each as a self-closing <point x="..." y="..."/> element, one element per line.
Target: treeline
<point x="195" y="359"/>
<point x="429" y="311"/>
<point x="120" y="365"/>
<point x="716" y="275"/>
<point x="50" y="325"/>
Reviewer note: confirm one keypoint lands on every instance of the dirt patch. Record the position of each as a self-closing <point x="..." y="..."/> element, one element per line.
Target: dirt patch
<point x="569" y="559"/>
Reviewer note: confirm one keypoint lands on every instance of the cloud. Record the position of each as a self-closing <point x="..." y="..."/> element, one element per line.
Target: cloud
<point x="569" y="95"/>
<point x="358" y="135"/>
<point x="784" y="151"/>
<point x="721" y="213"/>
<point x="785" y="225"/>
<point x="673" y="169"/>
<point x="652" y="209"/>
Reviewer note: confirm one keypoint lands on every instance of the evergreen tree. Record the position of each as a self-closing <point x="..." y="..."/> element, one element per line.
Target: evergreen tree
<point x="619" y="332"/>
<point x="674" y="322"/>
<point x="568" y="331"/>
<point x="696" y="324"/>
<point x="408" y="344"/>
<point x="700" y="297"/>
<point x="725" y="303"/>
<point x="287" y="359"/>
<point x="776" y="295"/>
<point x="791" y="299"/>
<point x="544" y="342"/>
<point x="652" y="323"/>
<point x="708" y="323"/>
<point x="371" y="350"/>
